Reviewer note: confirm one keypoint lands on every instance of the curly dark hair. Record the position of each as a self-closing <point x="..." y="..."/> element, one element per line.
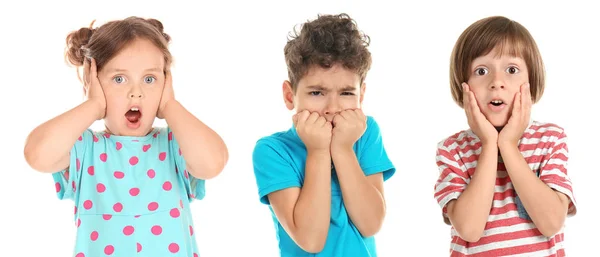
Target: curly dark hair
<point x="327" y="41"/>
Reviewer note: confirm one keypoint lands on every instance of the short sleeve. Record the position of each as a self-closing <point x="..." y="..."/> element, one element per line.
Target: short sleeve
<point x="273" y="169"/>
<point x="194" y="187"/>
<point x="453" y="177"/>
<point x="67" y="181"/>
<point x="554" y="171"/>
<point x="372" y="155"/>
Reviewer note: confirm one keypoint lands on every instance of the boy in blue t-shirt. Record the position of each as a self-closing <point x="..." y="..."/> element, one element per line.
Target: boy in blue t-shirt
<point x="323" y="178"/>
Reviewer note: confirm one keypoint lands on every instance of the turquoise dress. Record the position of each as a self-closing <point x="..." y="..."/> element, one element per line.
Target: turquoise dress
<point x="131" y="194"/>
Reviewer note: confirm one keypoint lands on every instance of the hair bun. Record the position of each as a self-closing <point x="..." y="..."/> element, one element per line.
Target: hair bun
<point x="156" y="23"/>
<point x="76" y="42"/>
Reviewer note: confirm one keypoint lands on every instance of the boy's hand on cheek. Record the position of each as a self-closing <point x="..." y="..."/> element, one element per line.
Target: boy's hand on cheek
<point x="167" y="95"/>
<point x="519" y="118"/>
<point x="348" y="127"/>
<point x="478" y="123"/>
<point x="313" y="130"/>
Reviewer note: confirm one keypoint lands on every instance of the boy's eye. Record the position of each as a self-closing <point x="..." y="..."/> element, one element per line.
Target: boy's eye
<point x="149" y="79"/>
<point x="481" y="71"/>
<point x="315" y="93"/>
<point x="512" y="70"/>
<point x="119" y="79"/>
<point x="347" y="93"/>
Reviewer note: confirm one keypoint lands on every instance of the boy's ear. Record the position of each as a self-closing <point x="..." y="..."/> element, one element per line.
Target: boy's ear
<point x="288" y="95"/>
<point x="363" y="87"/>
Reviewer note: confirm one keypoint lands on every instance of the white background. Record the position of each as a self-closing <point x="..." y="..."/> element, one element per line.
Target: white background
<point x="229" y="67"/>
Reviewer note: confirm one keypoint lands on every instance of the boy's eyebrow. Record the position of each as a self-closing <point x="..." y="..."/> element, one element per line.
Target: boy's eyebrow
<point x="321" y="88"/>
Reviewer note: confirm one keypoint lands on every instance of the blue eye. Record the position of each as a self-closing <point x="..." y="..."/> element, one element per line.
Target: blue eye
<point x="149" y="79"/>
<point x="119" y="79"/>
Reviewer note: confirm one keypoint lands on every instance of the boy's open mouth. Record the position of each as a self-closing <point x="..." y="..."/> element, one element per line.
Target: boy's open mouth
<point x="496" y="102"/>
<point x="133" y="117"/>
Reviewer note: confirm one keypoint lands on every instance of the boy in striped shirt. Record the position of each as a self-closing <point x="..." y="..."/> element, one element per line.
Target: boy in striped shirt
<point x="503" y="184"/>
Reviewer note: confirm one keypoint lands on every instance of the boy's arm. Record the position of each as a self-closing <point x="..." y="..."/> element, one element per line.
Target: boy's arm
<point x="305" y="212"/>
<point x="362" y="195"/>
<point x="546" y="207"/>
<point x="469" y="213"/>
<point x="204" y="151"/>
<point x="47" y="147"/>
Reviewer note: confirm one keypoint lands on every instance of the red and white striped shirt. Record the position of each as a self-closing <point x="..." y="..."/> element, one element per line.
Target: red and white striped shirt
<point x="508" y="231"/>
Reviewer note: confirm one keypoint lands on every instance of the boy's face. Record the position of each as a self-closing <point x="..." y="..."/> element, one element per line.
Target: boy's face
<point x="326" y="91"/>
<point x="134" y="78"/>
<point x="495" y="80"/>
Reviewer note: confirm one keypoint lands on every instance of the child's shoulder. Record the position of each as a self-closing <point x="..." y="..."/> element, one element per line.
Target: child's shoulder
<point x="545" y="128"/>
<point x="458" y="138"/>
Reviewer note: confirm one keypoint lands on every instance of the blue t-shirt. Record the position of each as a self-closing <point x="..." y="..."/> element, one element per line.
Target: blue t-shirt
<point x="279" y="161"/>
<point x="131" y="195"/>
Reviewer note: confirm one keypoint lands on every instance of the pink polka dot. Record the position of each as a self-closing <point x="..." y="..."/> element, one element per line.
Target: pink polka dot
<point x="57" y="186"/>
<point x="78" y="222"/>
<point x="78" y="163"/>
<point x="103" y="157"/>
<point x="95" y="139"/>
<point x="100" y="188"/>
<point x="151" y="173"/>
<point x="181" y="203"/>
<point x="119" y="146"/>
<point x="133" y="160"/>
<point x="118" y="207"/>
<point x="179" y="151"/>
<point x="167" y="186"/>
<point x="109" y="249"/>
<point x="195" y="255"/>
<point x="162" y="156"/>
<point x="173" y="247"/>
<point x="87" y="204"/>
<point x="174" y="212"/>
<point x="94" y="236"/>
<point x="156" y="134"/>
<point x="153" y="206"/>
<point x="156" y="230"/>
<point x="119" y="174"/>
<point x="186" y="174"/>
<point x="67" y="174"/>
<point x="73" y="185"/>
<point x="80" y="138"/>
<point x="170" y="136"/>
<point x="145" y="148"/>
<point x="80" y="255"/>
<point x="128" y="230"/>
<point x="106" y="216"/>
<point x="75" y="211"/>
<point x="134" y="191"/>
<point x="191" y="231"/>
<point x="106" y="135"/>
<point x="139" y="247"/>
<point x="91" y="170"/>
<point x="136" y="216"/>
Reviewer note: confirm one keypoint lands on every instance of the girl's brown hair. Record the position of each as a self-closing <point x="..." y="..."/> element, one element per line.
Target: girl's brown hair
<point x="104" y="42"/>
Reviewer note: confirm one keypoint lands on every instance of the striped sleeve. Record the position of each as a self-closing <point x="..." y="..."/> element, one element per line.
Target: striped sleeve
<point x="453" y="178"/>
<point x="554" y="171"/>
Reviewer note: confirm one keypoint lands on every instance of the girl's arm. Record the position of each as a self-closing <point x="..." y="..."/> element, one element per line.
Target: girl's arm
<point x="204" y="151"/>
<point x="47" y="147"/>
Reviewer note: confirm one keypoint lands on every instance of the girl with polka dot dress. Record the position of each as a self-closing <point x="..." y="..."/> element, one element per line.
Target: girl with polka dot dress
<point x="131" y="183"/>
